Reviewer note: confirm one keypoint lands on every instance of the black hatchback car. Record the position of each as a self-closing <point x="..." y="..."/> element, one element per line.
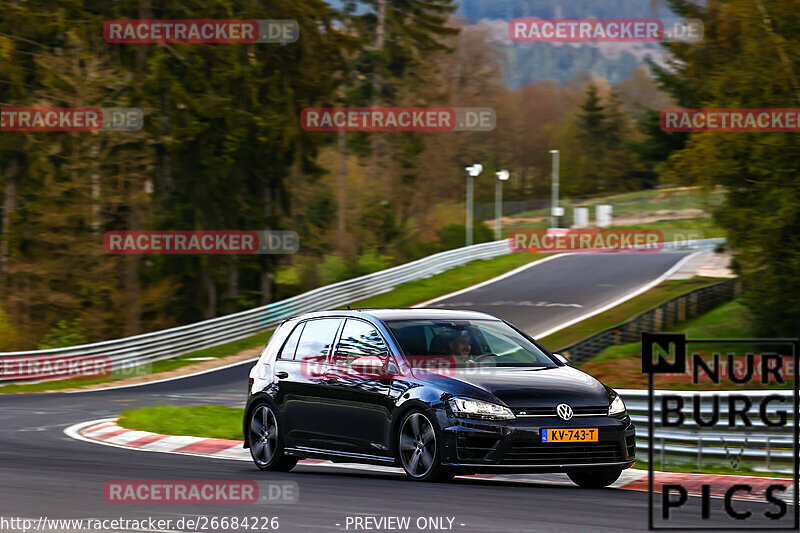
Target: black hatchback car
<point x="437" y="392"/>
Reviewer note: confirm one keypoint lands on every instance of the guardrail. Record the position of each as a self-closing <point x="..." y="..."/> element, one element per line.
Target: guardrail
<point x="759" y="447"/>
<point x="659" y="318"/>
<point x="165" y="344"/>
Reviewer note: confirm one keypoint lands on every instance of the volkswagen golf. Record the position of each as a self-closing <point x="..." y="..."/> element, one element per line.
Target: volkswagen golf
<point x="439" y="393"/>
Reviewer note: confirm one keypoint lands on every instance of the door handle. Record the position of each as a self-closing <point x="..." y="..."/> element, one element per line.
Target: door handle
<point x="281" y="375"/>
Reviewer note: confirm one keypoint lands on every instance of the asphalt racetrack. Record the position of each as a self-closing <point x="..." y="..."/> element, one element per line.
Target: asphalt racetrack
<point x="44" y="473"/>
<point x="552" y="292"/>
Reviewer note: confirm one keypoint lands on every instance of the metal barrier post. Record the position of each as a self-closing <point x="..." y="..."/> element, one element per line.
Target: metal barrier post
<point x="700" y="451"/>
<point x="769" y="466"/>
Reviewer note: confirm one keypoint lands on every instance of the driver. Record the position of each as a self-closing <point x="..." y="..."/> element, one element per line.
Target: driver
<point x="461" y="346"/>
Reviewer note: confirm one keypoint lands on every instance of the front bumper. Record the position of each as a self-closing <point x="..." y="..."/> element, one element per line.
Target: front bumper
<point x="516" y="445"/>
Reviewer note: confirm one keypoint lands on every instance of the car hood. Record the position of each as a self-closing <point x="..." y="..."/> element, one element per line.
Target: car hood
<point x="538" y="387"/>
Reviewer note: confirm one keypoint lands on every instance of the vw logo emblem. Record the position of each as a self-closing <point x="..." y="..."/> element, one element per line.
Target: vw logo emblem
<point x="564" y="411"/>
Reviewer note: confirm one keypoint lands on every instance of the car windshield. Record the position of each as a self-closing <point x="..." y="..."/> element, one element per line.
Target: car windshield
<point x="484" y="342"/>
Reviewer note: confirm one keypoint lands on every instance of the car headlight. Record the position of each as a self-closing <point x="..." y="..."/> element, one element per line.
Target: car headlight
<point x="480" y="409"/>
<point x="617" y="406"/>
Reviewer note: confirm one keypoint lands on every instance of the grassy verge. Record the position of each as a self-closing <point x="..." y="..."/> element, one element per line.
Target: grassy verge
<point x="682" y="225"/>
<point x="708" y="468"/>
<point x="676" y="207"/>
<point x="660" y="293"/>
<point x="669" y="226"/>
<point x="456" y="278"/>
<point x="620" y="366"/>
<point x="640" y="202"/>
<point x="402" y="296"/>
<point x="212" y="421"/>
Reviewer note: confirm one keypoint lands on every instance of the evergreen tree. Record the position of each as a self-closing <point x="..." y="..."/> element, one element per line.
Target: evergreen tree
<point x="747" y="59"/>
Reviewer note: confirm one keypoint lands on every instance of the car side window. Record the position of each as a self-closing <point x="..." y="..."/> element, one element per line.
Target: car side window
<point x="317" y="338"/>
<point x="359" y="339"/>
<point x="290" y="346"/>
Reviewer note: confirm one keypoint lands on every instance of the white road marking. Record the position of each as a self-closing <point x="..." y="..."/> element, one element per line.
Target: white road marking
<point x="644" y="288"/>
<point x="489" y="282"/>
<point x="520" y="303"/>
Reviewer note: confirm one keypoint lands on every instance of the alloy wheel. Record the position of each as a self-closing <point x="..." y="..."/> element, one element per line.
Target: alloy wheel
<point x="417" y="445"/>
<point x="263" y="435"/>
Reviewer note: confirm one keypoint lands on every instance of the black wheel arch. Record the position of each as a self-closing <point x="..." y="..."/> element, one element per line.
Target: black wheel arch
<point x="400" y="415"/>
<point x="254" y="401"/>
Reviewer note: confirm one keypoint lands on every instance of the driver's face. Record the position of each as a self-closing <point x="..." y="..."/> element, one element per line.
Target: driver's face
<point x="461" y="346"/>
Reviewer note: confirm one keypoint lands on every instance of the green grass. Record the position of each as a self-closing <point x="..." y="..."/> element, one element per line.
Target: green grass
<point x="728" y="320"/>
<point x="204" y="421"/>
<point x="731" y="319"/>
<point x="660" y="293"/>
<point x="621" y="366"/>
<point x="708" y="468"/>
<point x="640" y="202"/>
<point x="637" y="204"/>
<point x="682" y="225"/>
<point x="705" y="226"/>
<point x="456" y="278"/>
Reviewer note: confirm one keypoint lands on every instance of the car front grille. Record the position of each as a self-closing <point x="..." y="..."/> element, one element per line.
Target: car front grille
<point x="537" y="453"/>
<point x="551" y="411"/>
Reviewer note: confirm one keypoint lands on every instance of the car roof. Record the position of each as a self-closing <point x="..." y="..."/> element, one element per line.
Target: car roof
<point x="404" y="314"/>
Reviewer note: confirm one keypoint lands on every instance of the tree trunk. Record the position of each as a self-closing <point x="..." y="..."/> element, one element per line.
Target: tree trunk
<point x="9" y="207"/>
<point x="340" y="227"/>
<point x="133" y="288"/>
<point x="266" y="287"/>
<point x="211" y="294"/>
<point x="380" y="33"/>
<point x="232" y="291"/>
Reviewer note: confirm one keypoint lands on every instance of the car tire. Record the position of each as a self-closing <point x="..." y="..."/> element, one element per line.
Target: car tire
<point x="266" y="440"/>
<point x="596" y="479"/>
<point x="418" y="449"/>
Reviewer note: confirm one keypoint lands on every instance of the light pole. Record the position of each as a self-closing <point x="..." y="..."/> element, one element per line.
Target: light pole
<point x="498" y="203"/>
<point x="472" y="173"/>
<point x="554" y="203"/>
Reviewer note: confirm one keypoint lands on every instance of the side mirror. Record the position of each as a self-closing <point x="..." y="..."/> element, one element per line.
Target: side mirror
<point x="561" y="359"/>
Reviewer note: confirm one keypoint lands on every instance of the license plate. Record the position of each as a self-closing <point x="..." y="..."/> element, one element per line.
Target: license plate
<point x="570" y="435"/>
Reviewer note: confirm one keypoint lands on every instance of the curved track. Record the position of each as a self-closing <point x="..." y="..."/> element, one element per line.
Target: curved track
<point x="45" y="473"/>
